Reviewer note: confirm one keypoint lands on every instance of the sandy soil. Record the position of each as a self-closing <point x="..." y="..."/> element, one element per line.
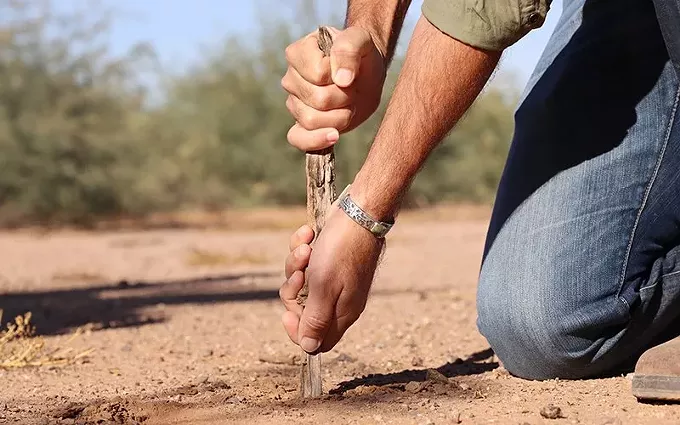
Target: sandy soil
<point x="185" y="327"/>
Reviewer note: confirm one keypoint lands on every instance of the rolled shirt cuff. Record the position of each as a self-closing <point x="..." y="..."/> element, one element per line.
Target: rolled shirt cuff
<point x="489" y="25"/>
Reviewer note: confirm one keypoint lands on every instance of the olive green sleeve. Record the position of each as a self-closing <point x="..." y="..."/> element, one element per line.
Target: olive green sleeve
<point x="486" y="24"/>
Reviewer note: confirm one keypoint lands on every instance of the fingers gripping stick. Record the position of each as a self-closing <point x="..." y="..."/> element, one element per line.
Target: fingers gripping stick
<point x="320" y="195"/>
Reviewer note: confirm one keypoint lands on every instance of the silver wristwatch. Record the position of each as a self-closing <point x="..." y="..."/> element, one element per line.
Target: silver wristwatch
<point x="378" y="228"/>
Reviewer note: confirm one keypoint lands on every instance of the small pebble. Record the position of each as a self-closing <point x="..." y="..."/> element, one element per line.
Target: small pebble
<point x="414" y="387"/>
<point x="551" y="412"/>
<point x="436" y="376"/>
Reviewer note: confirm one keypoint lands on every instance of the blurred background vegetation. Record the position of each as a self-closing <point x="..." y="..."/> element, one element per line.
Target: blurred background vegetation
<point x="84" y="137"/>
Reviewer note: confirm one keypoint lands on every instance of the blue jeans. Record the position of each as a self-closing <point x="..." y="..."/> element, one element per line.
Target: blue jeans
<point x="581" y="269"/>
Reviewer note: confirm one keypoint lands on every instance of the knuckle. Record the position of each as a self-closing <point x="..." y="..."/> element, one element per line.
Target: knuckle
<point x="320" y="99"/>
<point x="346" y="119"/>
<point x="317" y="324"/>
<point x="318" y="73"/>
<point x="307" y="120"/>
<point x="286" y="83"/>
<point x="296" y="264"/>
<point x="289" y="52"/>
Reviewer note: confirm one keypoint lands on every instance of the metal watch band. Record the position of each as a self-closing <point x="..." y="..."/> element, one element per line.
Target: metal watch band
<point x="378" y="228"/>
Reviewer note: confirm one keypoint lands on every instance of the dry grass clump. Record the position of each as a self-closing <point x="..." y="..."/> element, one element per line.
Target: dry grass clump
<point x="21" y="347"/>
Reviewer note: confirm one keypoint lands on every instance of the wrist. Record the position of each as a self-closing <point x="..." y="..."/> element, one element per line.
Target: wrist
<point x="378" y="196"/>
<point x="378" y="228"/>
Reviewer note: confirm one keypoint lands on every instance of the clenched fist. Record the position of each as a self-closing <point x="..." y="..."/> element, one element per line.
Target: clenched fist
<point x="332" y="95"/>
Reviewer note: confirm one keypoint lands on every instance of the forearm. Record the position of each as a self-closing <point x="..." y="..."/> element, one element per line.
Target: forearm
<point x="440" y="79"/>
<point x="384" y="19"/>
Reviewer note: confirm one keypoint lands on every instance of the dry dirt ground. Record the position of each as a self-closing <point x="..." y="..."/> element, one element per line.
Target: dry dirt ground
<point x="185" y="330"/>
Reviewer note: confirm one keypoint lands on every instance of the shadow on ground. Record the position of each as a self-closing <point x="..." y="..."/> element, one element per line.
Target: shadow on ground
<point x="475" y="364"/>
<point x="128" y="304"/>
<point x="125" y="304"/>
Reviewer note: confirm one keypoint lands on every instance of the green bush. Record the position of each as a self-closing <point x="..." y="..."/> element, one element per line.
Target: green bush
<point x="80" y="140"/>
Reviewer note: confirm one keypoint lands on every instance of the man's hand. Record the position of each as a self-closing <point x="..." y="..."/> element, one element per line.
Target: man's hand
<point x="332" y="95"/>
<point x="339" y="270"/>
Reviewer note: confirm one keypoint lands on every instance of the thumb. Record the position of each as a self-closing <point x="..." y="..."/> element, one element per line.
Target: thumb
<point x="316" y="317"/>
<point x="349" y="47"/>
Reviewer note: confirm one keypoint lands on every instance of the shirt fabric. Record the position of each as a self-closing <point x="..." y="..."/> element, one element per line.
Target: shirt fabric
<point x="498" y="24"/>
<point x="486" y="24"/>
<point x="668" y="15"/>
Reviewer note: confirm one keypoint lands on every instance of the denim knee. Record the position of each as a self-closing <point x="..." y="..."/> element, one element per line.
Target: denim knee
<point x="521" y="342"/>
<point x="538" y="335"/>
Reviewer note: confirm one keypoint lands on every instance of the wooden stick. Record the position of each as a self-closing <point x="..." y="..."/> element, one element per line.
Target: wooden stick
<point x="321" y="193"/>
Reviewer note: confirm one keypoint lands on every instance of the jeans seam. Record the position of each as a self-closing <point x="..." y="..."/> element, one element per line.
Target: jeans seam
<point x="657" y="281"/>
<point x="648" y="190"/>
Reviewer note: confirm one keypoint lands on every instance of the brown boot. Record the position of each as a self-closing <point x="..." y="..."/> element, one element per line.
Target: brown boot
<point x="657" y="373"/>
